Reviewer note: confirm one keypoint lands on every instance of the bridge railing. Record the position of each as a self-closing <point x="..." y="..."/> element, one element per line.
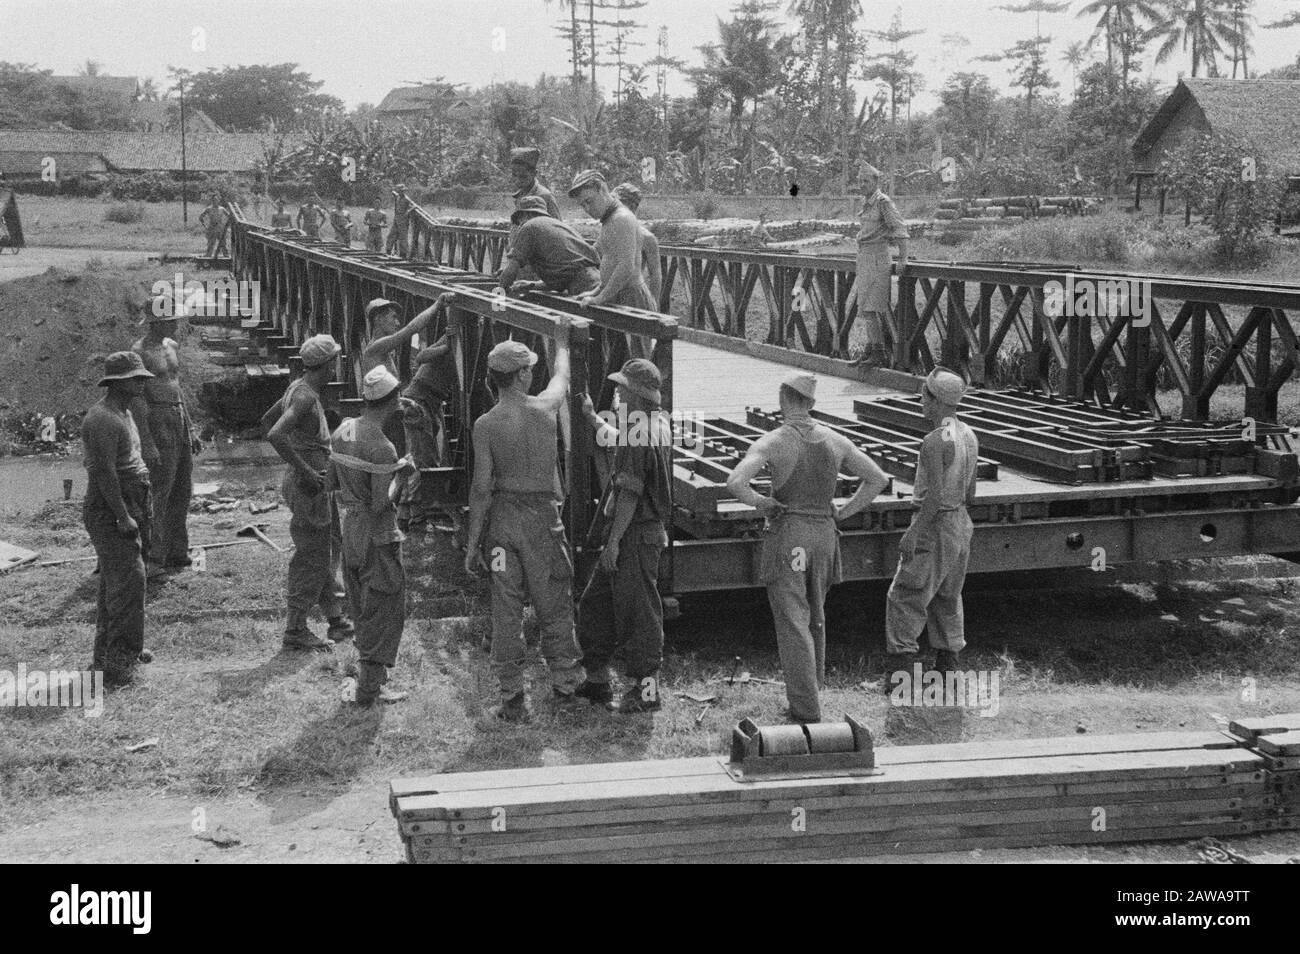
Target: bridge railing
<point x="312" y="287"/>
<point x="983" y="317"/>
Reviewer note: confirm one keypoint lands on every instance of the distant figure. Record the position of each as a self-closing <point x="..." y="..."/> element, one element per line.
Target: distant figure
<point x="619" y="245"/>
<point x="310" y="218"/>
<point x="759" y="235"/>
<point x="215" y="221"/>
<point x="281" y="219"/>
<point x="116" y="514"/>
<point x="167" y="438"/>
<point x="880" y="227"/>
<point x="341" y="222"/>
<point x="259" y="199"/>
<point x="374" y="221"/>
<point x="401" y="217"/>
<point x="630" y="196"/>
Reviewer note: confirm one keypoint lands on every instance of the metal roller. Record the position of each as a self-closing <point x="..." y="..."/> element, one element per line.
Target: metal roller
<point x="782" y="740"/>
<point x="830" y="737"/>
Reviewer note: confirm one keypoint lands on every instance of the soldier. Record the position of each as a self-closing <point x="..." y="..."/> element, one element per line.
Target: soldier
<point x="620" y="610"/>
<point x="216" y="221"/>
<point x="434" y="382"/>
<point x="310" y="218"/>
<point x="515" y="530"/>
<point x="341" y="222"/>
<point x="401" y="214"/>
<point x="630" y="196"/>
<point x="386" y="337"/>
<point x="523" y="176"/>
<point x="619" y="245"/>
<point x="926" y="592"/>
<point x="116" y="514"/>
<point x="800" y="557"/>
<point x="281" y="219"/>
<point x="375" y="220"/>
<point x="167" y="438"/>
<point x="363" y="465"/>
<point x="301" y="437"/>
<point x="881" y="226"/>
<point x="560" y="257"/>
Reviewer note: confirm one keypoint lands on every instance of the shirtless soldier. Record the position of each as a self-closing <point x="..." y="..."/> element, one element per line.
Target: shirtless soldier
<point x="167" y="439"/>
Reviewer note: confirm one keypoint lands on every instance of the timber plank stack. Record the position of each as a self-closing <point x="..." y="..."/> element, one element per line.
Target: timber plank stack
<point x="1063" y="791"/>
<point x="1276" y="739"/>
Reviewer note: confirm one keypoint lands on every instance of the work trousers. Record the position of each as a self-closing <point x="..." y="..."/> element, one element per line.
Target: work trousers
<point x="926" y="592"/>
<point x="172" y="480"/>
<point x="397" y="239"/>
<point x="528" y="556"/>
<point x="622" y="611"/>
<point x="315" y="568"/>
<point x="375" y="240"/>
<point x="874" y="271"/>
<point x="376" y="587"/>
<point x="800" y="562"/>
<point x="217" y="245"/>
<point x="343" y="237"/>
<point x="119" y="615"/>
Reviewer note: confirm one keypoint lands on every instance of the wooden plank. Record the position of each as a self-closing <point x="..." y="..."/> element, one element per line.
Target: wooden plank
<point x="932" y="802"/>
<point x="12" y="556"/>
<point x="1280" y="743"/>
<point x="1251" y="728"/>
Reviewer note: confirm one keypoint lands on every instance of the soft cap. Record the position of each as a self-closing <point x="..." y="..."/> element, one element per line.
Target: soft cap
<point x="317" y="350"/>
<point x="511" y="356"/>
<point x="640" y="377"/>
<point x="378" y="383"/>
<point x="802" y="382"/>
<point x="945" y="386"/>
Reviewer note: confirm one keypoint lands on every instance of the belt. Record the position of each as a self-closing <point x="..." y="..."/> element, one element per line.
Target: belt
<point x="365" y="466"/>
<point x="526" y="496"/>
<point x="163" y="403"/>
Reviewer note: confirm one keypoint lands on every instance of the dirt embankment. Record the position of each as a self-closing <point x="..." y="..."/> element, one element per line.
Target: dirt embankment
<point x="56" y="329"/>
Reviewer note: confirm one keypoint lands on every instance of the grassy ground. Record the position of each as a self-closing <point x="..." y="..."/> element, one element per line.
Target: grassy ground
<point x="246" y="730"/>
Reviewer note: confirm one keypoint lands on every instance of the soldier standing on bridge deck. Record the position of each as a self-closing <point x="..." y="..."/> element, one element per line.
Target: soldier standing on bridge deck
<point x="216" y="222"/>
<point x="619" y="245"/>
<point x="800" y="558"/>
<point x="401" y="215"/>
<point x="341" y="222"/>
<point x="116" y="512"/>
<point x="363" y="465"/>
<point x="515" y="531"/>
<point x="552" y="250"/>
<point x="301" y="437"/>
<point x="375" y="220"/>
<point x="881" y="226"/>
<point x="281" y="219"/>
<point x="630" y="196"/>
<point x="933" y="553"/>
<point x="620" y="610"/>
<point x="310" y="218"/>
<point x="167" y="439"/>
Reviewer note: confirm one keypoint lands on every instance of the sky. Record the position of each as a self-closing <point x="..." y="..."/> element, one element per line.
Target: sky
<point x="363" y="48"/>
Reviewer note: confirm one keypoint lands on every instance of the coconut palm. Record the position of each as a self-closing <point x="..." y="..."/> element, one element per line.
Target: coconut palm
<point x="1241" y="25"/>
<point x="1118" y="19"/>
<point x="1075" y="55"/>
<point x="1203" y="26"/>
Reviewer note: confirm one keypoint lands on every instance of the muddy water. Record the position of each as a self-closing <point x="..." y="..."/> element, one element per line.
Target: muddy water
<point x="28" y="483"/>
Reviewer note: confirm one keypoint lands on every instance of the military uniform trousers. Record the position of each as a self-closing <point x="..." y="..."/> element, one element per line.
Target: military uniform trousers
<point x="315" y="568"/>
<point x="172" y="480"/>
<point x="926" y="592"/>
<point x="800" y="562"/>
<point x="528" y="559"/>
<point x="622" y="611"/>
<point x="376" y="588"/>
<point x="874" y="279"/>
<point x="119" y="616"/>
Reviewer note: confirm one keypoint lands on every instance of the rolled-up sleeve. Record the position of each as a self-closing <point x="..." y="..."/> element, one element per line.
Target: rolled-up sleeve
<point x="894" y="225"/>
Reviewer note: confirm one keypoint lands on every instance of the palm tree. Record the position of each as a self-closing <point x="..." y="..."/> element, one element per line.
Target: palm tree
<point x="1206" y="26"/>
<point x="1241" y="17"/>
<point x="1117" y="19"/>
<point x="1075" y="55"/>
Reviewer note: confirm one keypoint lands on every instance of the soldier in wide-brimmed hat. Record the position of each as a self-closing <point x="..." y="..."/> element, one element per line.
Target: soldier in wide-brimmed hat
<point x="117" y="514"/>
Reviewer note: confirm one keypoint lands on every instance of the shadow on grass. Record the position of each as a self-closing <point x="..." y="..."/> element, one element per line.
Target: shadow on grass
<point x="236" y="683"/>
